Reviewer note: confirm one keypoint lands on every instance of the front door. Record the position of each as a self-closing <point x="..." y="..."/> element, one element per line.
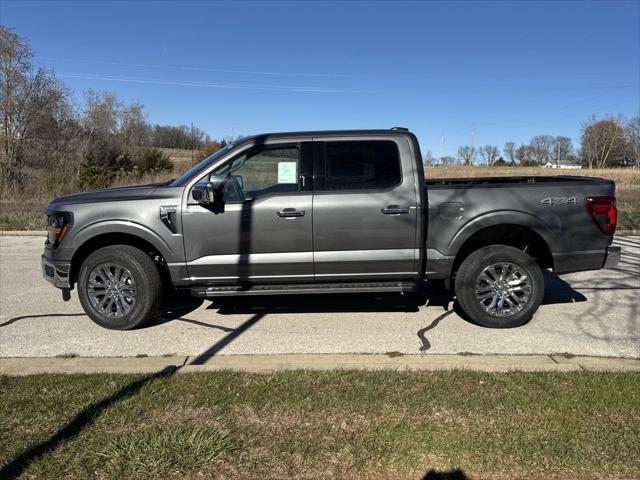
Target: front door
<point x="263" y="233"/>
<point x="364" y="210"/>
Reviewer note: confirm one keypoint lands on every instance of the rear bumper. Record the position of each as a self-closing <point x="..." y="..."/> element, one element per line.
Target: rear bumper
<point x="613" y="257"/>
<point x="56" y="273"/>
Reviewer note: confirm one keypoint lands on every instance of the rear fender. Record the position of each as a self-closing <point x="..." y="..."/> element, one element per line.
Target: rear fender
<point x="548" y="232"/>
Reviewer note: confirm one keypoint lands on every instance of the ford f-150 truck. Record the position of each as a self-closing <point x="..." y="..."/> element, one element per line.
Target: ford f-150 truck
<point x="327" y="212"/>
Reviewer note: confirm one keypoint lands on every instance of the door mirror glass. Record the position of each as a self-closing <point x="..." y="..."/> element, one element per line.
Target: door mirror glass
<point x="204" y="193"/>
<point x="218" y="182"/>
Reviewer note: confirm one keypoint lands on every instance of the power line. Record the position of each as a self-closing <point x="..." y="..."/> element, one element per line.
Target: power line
<point x="195" y="69"/>
<point x="187" y="83"/>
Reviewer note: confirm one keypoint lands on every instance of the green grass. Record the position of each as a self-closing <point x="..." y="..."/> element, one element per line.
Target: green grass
<point x="159" y="450"/>
<point x="324" y="425"/>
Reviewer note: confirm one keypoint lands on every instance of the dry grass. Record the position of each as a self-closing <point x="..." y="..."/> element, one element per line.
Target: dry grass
<point x="181" y="158"/>
<point x="23" y="209"/>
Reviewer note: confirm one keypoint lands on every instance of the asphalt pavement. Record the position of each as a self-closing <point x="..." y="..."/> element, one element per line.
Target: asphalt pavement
<point x="587" y="313"/>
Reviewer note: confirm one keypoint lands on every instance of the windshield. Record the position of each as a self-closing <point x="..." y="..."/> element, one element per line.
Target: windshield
<point x="196" y="169"/>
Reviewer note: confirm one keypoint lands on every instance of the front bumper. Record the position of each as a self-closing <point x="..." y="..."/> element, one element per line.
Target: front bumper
<point x="57" y="273"/>
<point x="613" y="257"/>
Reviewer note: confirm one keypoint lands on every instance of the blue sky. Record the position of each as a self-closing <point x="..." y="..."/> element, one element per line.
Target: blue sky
<point x="513" y="69"/>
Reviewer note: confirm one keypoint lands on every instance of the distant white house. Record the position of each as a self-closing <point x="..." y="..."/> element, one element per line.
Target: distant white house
<point x="564" y="166"/>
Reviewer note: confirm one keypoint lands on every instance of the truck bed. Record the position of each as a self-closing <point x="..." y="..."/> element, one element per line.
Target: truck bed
<point x="542" y="179"/>
<point x="553" y="207"/>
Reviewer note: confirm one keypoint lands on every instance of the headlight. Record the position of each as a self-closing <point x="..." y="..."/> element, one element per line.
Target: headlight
<point x="57" y="226"/>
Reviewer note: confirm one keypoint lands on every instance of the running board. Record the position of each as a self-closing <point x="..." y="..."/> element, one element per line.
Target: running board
<point x="302" y="288"/>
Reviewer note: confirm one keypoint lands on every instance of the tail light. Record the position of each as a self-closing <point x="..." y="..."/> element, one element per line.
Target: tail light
<point x="604" y="212"/>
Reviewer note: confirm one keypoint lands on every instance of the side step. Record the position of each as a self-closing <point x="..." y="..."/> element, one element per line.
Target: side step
<point x="302" y="288"/>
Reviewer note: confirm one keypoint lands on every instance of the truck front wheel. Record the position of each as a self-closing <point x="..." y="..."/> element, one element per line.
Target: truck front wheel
<point x="119" y="287"/>
<point x="499" y="286"/>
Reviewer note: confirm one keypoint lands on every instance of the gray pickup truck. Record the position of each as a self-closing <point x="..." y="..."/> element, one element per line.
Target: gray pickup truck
<point x="327" y="212"/>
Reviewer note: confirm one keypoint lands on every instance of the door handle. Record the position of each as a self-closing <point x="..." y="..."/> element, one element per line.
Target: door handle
<point x="395" y="210"/>
<point x="290" y="212"/>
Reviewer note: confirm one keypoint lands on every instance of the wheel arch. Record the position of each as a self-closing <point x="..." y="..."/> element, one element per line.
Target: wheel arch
<point x="101" y="240"/>
<point x="512" y="234"/>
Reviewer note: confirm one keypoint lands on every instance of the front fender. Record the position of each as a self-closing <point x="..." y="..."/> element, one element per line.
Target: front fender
<point x="127" y="227"/>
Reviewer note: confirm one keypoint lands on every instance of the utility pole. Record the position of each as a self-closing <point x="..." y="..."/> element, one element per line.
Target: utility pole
<point x="472" y="138"/>
<point x="441" y="149"/>
<point x="192" y="142"/>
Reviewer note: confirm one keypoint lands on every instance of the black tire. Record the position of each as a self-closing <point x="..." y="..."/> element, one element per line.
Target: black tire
<point x="469" y="274"/>
<point x="144" y="276"/>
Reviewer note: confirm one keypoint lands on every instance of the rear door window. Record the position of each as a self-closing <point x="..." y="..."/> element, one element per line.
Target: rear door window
<point x="362" y="165"/>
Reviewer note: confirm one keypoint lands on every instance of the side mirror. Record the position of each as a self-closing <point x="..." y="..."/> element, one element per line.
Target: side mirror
<point x="204" y="193"/>
<point x="218" y="182"/>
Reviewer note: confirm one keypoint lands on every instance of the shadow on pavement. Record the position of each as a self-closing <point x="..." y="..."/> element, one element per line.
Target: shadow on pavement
<point x="421" y="333"/>
<point x="45" y="315"/>
<point x="319" y="303"/>
<point x="227" y="339"/>
<point x="556" y="290"/>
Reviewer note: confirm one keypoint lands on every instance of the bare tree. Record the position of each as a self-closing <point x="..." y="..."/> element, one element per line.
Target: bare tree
<point x="134" y="131"/>
<point x="168" y="136"/>
<point x="467" y="154"/>
<point x="510" y="152"/>
<point x="102" y="112"/>
<point x="29" y="102"/>
<point x="541" y="148"/>
<point x="562" y="149"/>
<point x="603" y="142"/>
<point x="428" y="158"/>
<point x="489" y="154"/>
<point x="632" y="133"/>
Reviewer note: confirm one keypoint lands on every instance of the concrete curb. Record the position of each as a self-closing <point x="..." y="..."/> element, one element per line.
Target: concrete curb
<point x="38" y="233"/>
<point x="273" y="363"/>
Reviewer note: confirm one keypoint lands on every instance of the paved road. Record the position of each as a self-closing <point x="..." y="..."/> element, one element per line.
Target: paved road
<point x="589" y="313"/>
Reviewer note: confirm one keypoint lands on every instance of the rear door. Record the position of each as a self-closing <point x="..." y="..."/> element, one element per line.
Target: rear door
<point x="364" y="209"/>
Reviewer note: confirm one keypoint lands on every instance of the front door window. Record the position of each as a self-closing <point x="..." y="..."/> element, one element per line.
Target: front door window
<point x="261" y="171"/>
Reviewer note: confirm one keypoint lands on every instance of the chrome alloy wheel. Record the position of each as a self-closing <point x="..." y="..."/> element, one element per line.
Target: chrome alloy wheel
<point x="503" y="289"/>
<point x="111" y="290"/>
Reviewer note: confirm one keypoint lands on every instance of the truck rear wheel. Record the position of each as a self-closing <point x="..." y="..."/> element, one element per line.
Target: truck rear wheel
<point x="119" y="287"/>
<point x="499" y="286"/>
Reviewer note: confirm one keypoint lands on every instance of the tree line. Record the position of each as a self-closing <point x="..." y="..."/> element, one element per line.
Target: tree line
<point x="46" y="137"/>
<point x="91" y="143"/>
<point x="604" y="143"/>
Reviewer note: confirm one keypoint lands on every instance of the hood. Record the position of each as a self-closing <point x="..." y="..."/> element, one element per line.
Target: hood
<point x="133" y="192"/>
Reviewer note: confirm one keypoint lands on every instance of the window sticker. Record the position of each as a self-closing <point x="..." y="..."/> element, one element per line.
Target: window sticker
<point x="287" y="172"/>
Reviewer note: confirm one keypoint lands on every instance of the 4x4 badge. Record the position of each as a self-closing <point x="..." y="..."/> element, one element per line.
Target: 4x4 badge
<point x="559" y="201"/>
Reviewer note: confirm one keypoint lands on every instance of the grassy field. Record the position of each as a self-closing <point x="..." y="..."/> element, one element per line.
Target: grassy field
<point x="181" y="158"/>
<point x="303" y="425"/>
<point x="25" y="212"/>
